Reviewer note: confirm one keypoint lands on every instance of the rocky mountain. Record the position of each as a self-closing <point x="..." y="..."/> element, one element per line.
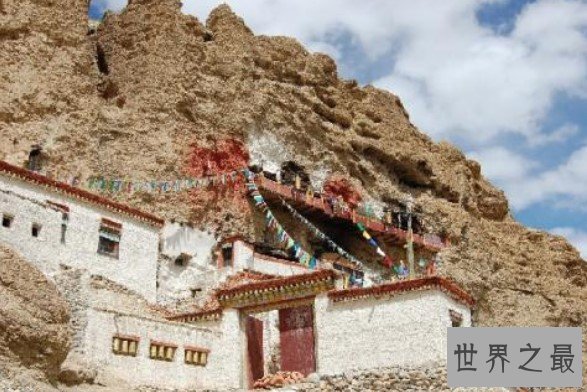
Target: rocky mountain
<point x="153" y="93"/>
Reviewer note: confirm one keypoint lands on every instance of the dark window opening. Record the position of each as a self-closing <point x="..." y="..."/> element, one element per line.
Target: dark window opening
<point x="63" y="232"/>
<point x="7" y="220"/>
<point x="295" y="174"/>
<point x="456" y="319"/>
<point x="101" y="60"/>
<point x="35" y="159"/>
<point x="227" y="255"/>
<point x="109" y="238"/>
<point x="108" y="247"/>
<point x="64" y="220"/>
<point x="35" y="230"/>
<point x="195" y="292"/>
<point x="182" y="260"/>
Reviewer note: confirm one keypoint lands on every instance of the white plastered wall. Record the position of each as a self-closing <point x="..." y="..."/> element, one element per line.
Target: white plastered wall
<point x="246" y="258"/>
<point x="222" y="338"/>
<point x="406" y="330"/>
<point x="136" y="266"/>
<point x="176" y="282"/>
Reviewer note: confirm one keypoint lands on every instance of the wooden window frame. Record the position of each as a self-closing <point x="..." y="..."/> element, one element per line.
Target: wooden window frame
<point x="196" y="356"/>
<point x="108" y="227"/>
<point x="162" y="351"/>
<point x="125" y="345"/>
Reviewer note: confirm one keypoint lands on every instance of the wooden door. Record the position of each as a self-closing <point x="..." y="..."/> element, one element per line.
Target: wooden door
<point x="296" y="335"/>
<point x="254" y="332"/>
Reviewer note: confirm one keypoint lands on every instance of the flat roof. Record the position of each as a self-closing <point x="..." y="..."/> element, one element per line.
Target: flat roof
<point x="427" y="283"/>
<point x="77" y="193"/>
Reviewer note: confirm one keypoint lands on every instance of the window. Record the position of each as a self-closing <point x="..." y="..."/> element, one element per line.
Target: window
<point x="36" y="230"/>
<point x="195" y="292"/>
<point x="182" y="260"/>
<point x="196" y="356"/>
<point x="456" y="319"/>
<point x="35" y="157"/>
<point x="162" y="351"/>
<point x="109" y="238"/>
<point x="7" y="220"/>
<point x="125" y="345"/>
<point x="64" y="210"/>
<point x="227" y="255"/>
<point x="64" y="221"/>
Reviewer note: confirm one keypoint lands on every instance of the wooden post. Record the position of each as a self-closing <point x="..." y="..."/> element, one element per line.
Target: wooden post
<point x="387" y="217"/>
<point x="410" y="238"/>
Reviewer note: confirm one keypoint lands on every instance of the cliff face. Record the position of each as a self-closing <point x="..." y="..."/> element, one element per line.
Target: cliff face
<point x="152" y="91"/>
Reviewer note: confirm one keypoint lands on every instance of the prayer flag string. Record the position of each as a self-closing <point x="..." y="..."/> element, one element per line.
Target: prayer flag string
<point x="320" y="234"/>
<point x="387" y="261"/>
<point x="282" y="237"/>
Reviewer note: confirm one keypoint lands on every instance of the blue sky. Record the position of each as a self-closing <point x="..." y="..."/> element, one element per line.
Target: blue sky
<point x="505" y="80"/>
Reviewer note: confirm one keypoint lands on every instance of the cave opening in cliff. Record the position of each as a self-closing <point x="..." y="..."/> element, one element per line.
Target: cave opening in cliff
<point x="101" y="60"/>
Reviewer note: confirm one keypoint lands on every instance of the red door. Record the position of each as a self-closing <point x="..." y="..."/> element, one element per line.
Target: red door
<point x="254" y="330"/>
<point x="296" y="335"/>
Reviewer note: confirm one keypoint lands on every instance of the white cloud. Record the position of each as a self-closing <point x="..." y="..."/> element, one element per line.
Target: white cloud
<point x="503" y="165"/>
<point x="462" y="79"/>
<point x="577" y="238"/>
<point x="563" y="186"/>
<point x="559" y="135"/>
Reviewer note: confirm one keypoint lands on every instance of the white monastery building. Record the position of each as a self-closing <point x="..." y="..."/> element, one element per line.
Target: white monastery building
<point x="163" y="304"/>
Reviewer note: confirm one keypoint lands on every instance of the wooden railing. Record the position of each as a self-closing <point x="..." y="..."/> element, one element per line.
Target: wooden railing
<point x="430" y="241"/>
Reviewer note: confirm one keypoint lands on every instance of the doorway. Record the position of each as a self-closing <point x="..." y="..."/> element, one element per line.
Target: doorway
<point x="296" y="333"/>
<point x="254" y="332"/>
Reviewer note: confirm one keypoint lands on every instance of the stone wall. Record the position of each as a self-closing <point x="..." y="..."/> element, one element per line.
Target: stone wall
<point x="431" y="377"/>
<point x="72" y="284"/>
<point x="136" y="265"/>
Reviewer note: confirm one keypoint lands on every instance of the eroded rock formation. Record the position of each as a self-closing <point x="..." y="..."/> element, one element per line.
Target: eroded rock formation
<point x="34" y="318"/>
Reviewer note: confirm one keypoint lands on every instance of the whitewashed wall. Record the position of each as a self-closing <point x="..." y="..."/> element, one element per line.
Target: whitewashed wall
<point x="202" y="271"/>
<point x="222" y="338"/>
<point x="406" y="330"/>
<point x="136" y="266"/>
<point x="175" y="282"/>
<point x="246" y="258"/>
